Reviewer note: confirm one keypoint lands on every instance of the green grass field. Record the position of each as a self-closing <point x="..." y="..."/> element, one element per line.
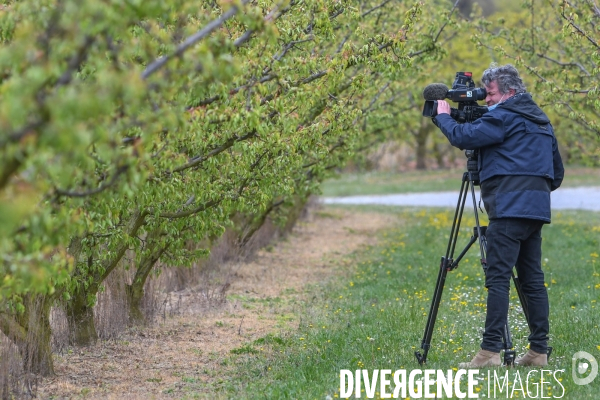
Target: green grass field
<point x="374" y="314"/>
<point x="429" y="181"/>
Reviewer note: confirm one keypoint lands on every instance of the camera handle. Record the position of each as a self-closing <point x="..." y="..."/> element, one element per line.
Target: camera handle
<point x="469" y="180"/>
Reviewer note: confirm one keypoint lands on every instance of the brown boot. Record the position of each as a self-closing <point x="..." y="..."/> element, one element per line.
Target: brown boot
<point x="483" y="358"/>
<point x="532" y="359"/>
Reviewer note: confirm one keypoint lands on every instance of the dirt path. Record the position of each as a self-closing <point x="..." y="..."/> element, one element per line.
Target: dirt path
<point x="184" y="353"/>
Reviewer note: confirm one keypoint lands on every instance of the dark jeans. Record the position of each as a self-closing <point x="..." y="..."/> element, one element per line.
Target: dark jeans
<point x="515" y="242"/>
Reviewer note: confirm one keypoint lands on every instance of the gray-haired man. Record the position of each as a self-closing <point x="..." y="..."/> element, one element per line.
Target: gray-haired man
<point x="519" y="166"/>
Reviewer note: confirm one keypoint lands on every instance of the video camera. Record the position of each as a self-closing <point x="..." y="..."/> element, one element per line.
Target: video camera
<point x="463" y="92"/>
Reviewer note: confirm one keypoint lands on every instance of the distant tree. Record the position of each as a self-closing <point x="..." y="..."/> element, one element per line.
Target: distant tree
<point x="555" y="46"/>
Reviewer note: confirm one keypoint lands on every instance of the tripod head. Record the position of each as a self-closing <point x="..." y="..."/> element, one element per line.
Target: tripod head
<point x="473" y="166"/>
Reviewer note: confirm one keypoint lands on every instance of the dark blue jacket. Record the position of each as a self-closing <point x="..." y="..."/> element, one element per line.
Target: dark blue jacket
<point x="519" y="162"/>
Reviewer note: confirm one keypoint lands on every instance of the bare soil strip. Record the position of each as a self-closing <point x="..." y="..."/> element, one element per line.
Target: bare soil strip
<point x="156" y="362"/>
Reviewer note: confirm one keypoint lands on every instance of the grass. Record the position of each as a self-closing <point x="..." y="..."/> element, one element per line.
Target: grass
<point x="429" y="181"/>
<point x="373" y="317"/>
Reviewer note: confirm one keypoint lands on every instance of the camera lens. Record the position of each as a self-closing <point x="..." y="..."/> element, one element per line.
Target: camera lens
<point x="479" y="94"/>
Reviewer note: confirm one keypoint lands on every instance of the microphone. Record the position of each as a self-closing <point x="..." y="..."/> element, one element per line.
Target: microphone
<point x="435" y="91"/>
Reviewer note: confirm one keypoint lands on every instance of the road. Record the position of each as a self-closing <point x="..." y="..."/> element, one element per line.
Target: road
<point x="577" y="198"/>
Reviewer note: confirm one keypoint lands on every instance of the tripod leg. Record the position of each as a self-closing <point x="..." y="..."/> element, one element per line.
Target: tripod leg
<point x="522" y="298"/>
<point x="509" y="352"/>
<point x="443" y="271"/>
<point x="433" y="310"/>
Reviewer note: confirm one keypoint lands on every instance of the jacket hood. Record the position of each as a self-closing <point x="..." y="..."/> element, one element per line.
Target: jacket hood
<point x="524" y="105"/>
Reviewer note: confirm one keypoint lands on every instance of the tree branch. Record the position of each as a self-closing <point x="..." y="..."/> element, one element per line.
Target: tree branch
<point x="312" y="77"/>
<point x="212" y="203"/>
<point x="192" y="40"/>
<point x="138" y="219"/>
<point x="581" y="31"/>
<point x="66" y="193"/>
<point x="290" y="45"/>
<point x="219" y="149"/>
<point x="76" y="61"/>
<point x="74" y="64"/>
<point x="375" y="8"/>
<point x="567" y="64"/>
<point x="446" y="23"/>
<point x="183" y="214"/>
<point x="271" y="16"/>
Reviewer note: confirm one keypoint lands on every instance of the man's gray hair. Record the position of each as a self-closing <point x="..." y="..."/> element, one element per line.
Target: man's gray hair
<point x="506" y="76"/>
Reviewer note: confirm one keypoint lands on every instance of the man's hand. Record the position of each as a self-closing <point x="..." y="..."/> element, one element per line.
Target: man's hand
<point x="443" y="107"/>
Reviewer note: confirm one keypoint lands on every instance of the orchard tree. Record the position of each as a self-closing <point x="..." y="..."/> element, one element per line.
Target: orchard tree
<point x="554" y="44"/>
<point x="143" y="127"/>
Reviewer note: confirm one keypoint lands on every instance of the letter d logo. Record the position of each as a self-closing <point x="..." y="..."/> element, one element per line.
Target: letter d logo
<point x="582" y="362"/>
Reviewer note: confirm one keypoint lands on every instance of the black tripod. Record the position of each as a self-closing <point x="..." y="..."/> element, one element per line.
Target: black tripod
<point x="469" y="181"/>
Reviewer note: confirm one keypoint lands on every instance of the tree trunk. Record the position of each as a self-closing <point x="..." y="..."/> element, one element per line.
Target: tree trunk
<point x="37" y="351"/>
<point x="80" y="317"/>
<point x="252" y="225"/>
<point x="421" y="151"/>
<point x="294" y="213"/>
<point x="421" y="136"/>
<point x="31" y="333"/>
<point x="135" y="291"/>
<point x="80" y="311"/>
<point x="438" y="153"/>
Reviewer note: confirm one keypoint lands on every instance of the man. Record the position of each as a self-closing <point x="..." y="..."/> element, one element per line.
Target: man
<point x="519" y="166"/>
